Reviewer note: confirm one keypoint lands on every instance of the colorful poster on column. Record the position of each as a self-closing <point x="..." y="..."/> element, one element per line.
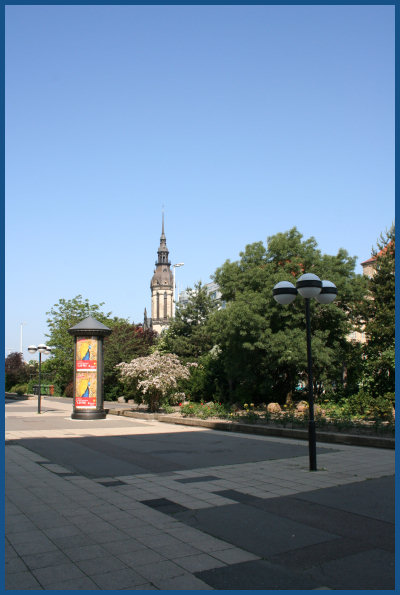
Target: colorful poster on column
<point x="86" y="390"/>
<point x="86" y="354"/>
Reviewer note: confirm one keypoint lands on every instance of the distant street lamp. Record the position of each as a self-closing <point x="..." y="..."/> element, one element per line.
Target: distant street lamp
<point x="308" y="286"/>
<point x="20" y="343"/>
<point x="175" y="266"/>
<point x="41" y="349"/>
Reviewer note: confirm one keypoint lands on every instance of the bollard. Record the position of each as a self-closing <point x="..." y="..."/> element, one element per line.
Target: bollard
<point x="88" y="369"/>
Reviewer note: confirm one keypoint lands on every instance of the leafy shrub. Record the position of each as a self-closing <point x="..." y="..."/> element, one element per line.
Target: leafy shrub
<point x="69" y="390"/>
<point x="20" y="389"/>
<point x="113" y="392"/>
<point x="364" y="405"/>
<point x="204" y="410"/>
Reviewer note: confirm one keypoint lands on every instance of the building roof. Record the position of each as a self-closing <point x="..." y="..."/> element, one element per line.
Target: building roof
<point x="380" y="253"/>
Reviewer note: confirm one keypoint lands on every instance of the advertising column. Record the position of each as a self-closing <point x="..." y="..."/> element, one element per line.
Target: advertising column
<point x="88" y="369"/>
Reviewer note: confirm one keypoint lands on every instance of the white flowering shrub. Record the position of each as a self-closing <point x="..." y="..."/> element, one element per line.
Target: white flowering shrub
<point x="154" y="376"/>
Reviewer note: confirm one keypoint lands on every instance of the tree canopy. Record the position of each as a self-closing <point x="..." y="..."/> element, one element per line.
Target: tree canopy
<point x="16" y="370"/>
<point x="263" y="344"/>
<point x="254" y="349"/>
<point x="61" y="317"/>
<point x="126" y="342"/>
<point x="379" y="312"/>
<point x="188" y="335"/>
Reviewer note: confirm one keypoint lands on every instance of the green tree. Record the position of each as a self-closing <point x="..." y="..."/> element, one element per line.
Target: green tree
<point x="263" y="344"/>
<point x="379" y="315"/>
<point x="61" y="317"/>
<point x="126" y="342"/>
<point x="16" y="370"/>
<point x="188" y="335"/>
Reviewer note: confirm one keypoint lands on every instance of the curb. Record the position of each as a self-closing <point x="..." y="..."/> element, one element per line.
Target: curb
<point x="18" y="397"/>
<point x="332" y="437"/>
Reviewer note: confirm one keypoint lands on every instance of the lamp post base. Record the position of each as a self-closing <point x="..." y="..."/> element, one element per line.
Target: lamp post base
<point x="312" y="445"/>
<point x="100" y="414"/>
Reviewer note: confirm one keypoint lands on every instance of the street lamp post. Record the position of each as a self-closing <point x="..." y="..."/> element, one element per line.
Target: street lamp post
<point x="21" y="342"/>
<point x="308" y="286"/>
<point x="175" y="266"/>
<point x="45" y="350"/>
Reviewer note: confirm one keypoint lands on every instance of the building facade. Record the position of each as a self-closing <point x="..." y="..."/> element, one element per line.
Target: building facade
<point x="212" y="290"/>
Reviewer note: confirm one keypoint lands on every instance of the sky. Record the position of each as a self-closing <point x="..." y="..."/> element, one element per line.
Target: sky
<point x="239" y="121"/>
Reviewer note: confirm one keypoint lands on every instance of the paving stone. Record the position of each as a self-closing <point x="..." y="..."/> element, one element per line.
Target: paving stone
<point x="9" y="551"/>
<point x="32" y="536"/>
<point x="372" y="569"/>
<point x="71" y="541"/>
<point x="184" y="582"/>
<point x="15" y="564"/>
<point x="198" y="562"/>
<point x="319" y="553"/>
<point x="32" y="547"/>
<point x="262" y="534"/>
<point x="123" y="546"/>
<point x="234" y="556"/>
<point x="85" y="552"/>
<point x="67" y="530"/>
<point x="140" y="557"/>
<point x="21" y="581"/>
<point x="74" y="584"/>
<point x="164" y="505"/>
<point x="258" y="574"/>
<point x="45" y="559"/>
<point x="107" y="536"/>
<point x="17" y="523"/>
<point x="162" y="570"/>
<point x="159" y="540"/>
<point x="55" y="573"/>
<point x="100" y="564"/>
<point x="119" y="579"/>
<point x="175" y="551"/>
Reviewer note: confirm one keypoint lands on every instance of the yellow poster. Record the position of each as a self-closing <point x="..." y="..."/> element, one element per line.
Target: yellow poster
<point x="86" y="354"/>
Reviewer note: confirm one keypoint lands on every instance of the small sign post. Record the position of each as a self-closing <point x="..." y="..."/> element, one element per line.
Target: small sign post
<point x="89" y="369"/>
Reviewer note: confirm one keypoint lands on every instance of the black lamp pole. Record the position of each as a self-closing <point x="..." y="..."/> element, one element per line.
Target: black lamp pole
<point x="312" y="442"/>
<point x="284" y="292"/>
<point x="41" y="349"/>
<point x="40" y="389"/>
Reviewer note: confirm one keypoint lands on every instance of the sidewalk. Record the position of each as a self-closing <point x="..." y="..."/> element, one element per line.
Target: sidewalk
<point x="125" y="503"/>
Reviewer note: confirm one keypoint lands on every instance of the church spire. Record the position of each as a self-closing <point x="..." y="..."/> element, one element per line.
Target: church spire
<point x="162" y="286"/>
<point x="163" y="251"/>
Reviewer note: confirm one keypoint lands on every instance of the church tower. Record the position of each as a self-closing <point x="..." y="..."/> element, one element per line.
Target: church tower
<point x="162" y="290"/>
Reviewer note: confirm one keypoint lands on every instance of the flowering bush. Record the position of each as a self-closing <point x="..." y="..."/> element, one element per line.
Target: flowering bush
<point x="153" y="377"/>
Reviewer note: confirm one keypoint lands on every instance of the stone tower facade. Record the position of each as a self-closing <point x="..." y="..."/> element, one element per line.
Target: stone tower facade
<point x="162" y="287"/>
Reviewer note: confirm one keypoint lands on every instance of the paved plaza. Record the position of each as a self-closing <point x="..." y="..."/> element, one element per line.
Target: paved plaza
<point x="125" y="503"/>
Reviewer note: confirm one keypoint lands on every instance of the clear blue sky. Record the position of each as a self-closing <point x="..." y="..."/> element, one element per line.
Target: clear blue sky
<point x="243" y="121"/>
